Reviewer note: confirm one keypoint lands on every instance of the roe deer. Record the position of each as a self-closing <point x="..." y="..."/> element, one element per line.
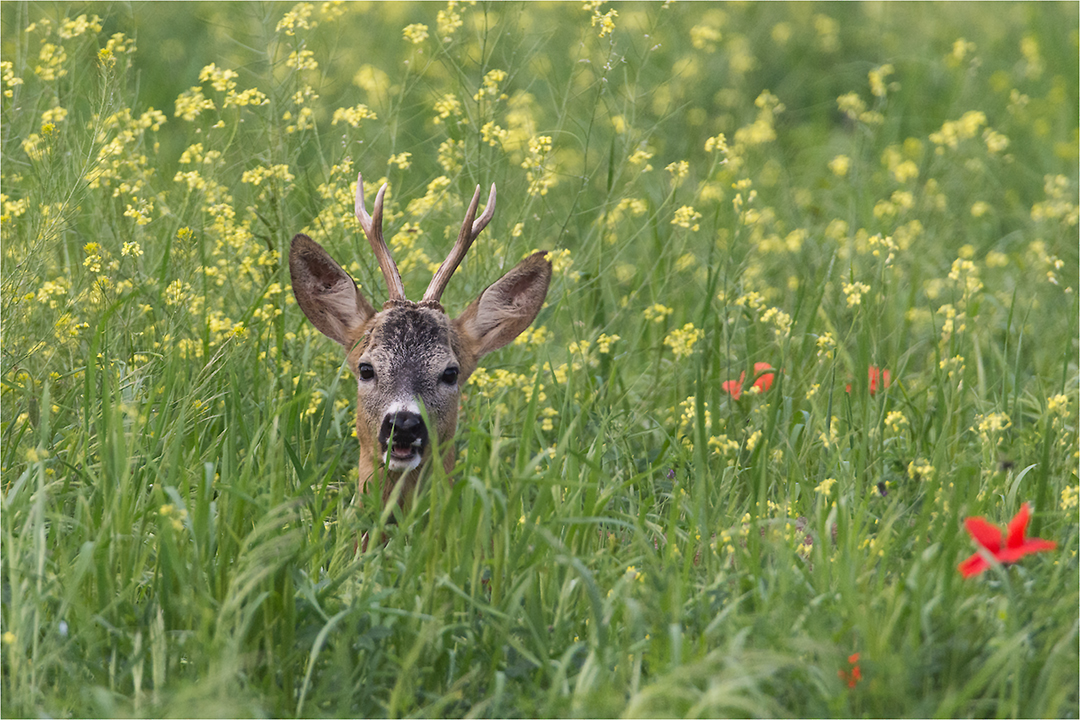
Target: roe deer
<point x="411" y="355"/>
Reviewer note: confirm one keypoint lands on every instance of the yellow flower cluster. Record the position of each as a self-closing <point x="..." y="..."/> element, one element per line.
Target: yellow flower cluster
<point x="854" y="292"/>
<point x="877" y="76"/>
<point x="540" y="175"/>
<point x="753" y="439"/>
<point x="191" y="103"/>
<point x="220" y="79"/>
<point x="900" y="201"/>
<point x="900" y="160"/>
<point x="140" y="212"/>
<point x="533" y="336"/>
<point x="779" y="319"/>
<point x="451" y="155"/>
<point x="256" y="175"/>
<point x="489" y="87"/>
<point x="824" y="488"/>
<point x="93" y="258"/>
<point x="991" y="426"/>
<point x="71" y="28"/>
<point x="722" y="445"/>
<point x="826" y="345"/>
<point x="763" y="129"/>
<point x="953" y="132"/>
<point x="705" y="37"/>
<point x="953" y="366"/>
<point x="604" y="343"/>
<point x="1059" y="203"/>
<point x="299" y="18"/>
<point x="682" y="340"/>
<point x="717" y="143"/>
<point x="920" y="469"/>
<point x="353" y="115"/>
<point x="606" y="21"/>
<point x="952" y="322"/>
<point x="434" y="199"/>
<point x="1070" y="497"/>
<point x="839" y="165"/>
<point x="641" y="156"/>
<point x="494" y="135"/>
<point x="679" y="170"/>
<point x="175" y="516"/>
<point x="51" y="290"/>
<point x="855" y="108"/>
<point x="688" y="415"/>
<point x="488" y="383"/>
<point x="967" y="272"/>
<point x="7" y="76"/>
<point x="960" y="50"/>
<point x="177" y="292"/>
<point x="895" y="420"/>
<point x="401" y="160"/>
<point x="1057" y="404"/>
<point x="251" y="96"/>
<point x="119" y="44"/>
<point x="548" y="416"/>
<point x="51" y="57"/>
<point x="687" y="217"/>
<point x="657" y="312"/>
<point x="415" y="33"/>
<point x="302" y="60"/>
<point x="446" y="106"/>
<point x="831" y="437"/>
<point x="373" y="80"/>
<point x="448" y="21"/>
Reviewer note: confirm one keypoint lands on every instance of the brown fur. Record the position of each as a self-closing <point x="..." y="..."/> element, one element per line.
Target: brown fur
<point x="409" y="345"/>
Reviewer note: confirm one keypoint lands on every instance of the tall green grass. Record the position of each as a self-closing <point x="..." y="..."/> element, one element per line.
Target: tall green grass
<point x="802" y="196"/>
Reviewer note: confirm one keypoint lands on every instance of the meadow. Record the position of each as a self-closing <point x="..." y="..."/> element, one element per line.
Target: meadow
<point x="814" y="308"/>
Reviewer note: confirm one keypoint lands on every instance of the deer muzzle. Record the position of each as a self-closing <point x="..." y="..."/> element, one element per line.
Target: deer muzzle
<point x="403" y="438"/>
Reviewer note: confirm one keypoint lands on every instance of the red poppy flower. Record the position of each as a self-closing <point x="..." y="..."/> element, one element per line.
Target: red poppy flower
<point x="734" y="387"/>
<point x="877" y="377"/>
<point x="853" y="676"/>
<point x="763" y="383"/>
<point x="1006" y="546"/>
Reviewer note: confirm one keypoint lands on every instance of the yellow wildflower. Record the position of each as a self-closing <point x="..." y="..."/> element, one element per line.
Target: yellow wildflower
<point x="839" y="165"/>
<point x="352" y="115"/>
<point x="415" y="33"/>
<point x="687" y="217"/>
<point x="825" y="486"/>
<point x="682" y="340"/>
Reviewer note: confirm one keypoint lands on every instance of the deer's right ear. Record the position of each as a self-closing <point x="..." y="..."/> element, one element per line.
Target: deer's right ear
<point x="326" y="293"/>
<point x="508" y="306"/>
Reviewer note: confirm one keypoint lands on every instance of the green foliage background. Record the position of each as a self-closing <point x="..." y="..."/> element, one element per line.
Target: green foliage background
<point x="689" y="489"/>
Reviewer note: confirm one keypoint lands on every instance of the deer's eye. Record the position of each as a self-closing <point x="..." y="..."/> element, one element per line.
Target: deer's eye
<point x="449" y="376"/>
<point x="366" y="372"/>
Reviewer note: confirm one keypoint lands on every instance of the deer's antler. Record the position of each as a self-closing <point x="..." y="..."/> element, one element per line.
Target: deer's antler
<point x="372" y="225"/>
<point x="470" y="229"/>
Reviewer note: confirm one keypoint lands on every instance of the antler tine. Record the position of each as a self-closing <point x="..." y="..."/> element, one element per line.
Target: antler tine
<point x="372" y="225"/>
<point x="470" y="230"/>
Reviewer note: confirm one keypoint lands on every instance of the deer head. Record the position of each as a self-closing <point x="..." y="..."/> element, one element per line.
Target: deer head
<point x="410" y="359"/>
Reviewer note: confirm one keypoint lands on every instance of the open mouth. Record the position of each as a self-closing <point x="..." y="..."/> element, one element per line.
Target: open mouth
<point x="403" y="457"/>
<point x="405" y="452"/>
<point x="402" y="440"/>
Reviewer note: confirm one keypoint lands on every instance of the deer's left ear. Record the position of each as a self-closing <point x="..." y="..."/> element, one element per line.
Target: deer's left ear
<point x="326" y="293"/>
<point x="508" y="306"/>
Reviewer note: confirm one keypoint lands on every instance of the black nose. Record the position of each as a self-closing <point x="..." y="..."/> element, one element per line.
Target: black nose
<point x="406" y="428"/>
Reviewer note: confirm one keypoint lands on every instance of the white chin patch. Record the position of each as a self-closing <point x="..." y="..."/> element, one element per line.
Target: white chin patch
<point x="395" y="464"/>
